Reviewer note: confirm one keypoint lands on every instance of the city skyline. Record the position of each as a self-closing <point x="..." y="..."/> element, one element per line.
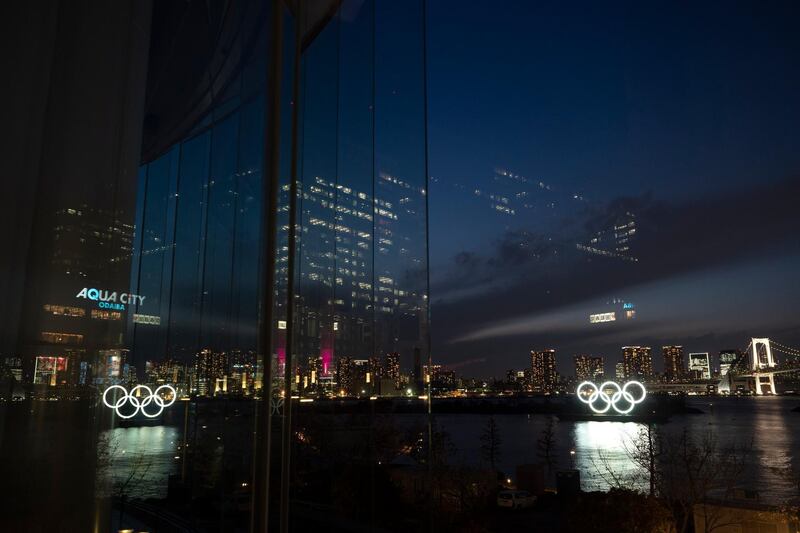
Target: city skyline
<point x="686" y="123"/>
<point x="400" y="265"/>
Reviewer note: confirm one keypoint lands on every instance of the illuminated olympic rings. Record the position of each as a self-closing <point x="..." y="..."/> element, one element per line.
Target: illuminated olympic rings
<point x="141" y="401"/>
<point x="600" y="401"/>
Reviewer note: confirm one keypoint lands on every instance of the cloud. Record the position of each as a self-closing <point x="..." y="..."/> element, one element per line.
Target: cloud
<point x="480" y="298"/>
<point x="671" y="304"/>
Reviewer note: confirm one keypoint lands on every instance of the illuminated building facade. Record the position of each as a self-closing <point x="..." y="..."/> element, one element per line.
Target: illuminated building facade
<point x="89" y="247"/>
<point x="674" y="368"/>
<point x="615" y="240"/>
<point x="700" y="365"/>
<point x="212" y="370"/>
<point x="345" y="375"/>
<point x="728" y="358"/>
<point x="392" y="367"/>
<point x="616" y="310"/>
<point x="637" y="362"/>
<point x="543" y="371"/>
<point x="588" y="367"/>
<point x="619" y="370"/>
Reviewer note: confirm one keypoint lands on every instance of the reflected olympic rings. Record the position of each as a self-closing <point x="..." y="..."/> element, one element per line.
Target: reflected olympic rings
<point x="142" y="398"/>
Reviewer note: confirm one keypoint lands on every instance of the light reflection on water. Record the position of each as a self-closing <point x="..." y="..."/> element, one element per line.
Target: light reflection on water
<point x="602" y="451"/>
<point x="767" y="425"/>
<point x="140" y="460"/>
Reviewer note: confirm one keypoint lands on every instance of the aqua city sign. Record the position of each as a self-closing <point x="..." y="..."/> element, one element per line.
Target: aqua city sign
<point x="110" y="299"/>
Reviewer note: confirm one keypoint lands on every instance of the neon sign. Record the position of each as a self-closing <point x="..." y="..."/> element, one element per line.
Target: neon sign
<point x="602" y="317"/>
<point x="140" y="402"/>
<point x="109" y="299"/>
<point x="146" y="319"/>
<point x="599" y="401"/>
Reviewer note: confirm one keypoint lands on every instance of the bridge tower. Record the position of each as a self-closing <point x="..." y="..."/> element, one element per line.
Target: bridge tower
<point x="762" y="360"/>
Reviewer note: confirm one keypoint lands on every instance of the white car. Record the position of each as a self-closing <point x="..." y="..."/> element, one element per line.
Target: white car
<point x="515" y="499"/>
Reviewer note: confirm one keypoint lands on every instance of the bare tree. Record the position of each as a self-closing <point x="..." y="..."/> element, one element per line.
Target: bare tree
<point x="698" y="471"/>
<point x="627" y="480"/>
<point x="491" y="442"/>
<point x="546" y="446"/>
<point x="690" y="473"/>
<point x="117" y="471"/>
<point x="646" y="452"/>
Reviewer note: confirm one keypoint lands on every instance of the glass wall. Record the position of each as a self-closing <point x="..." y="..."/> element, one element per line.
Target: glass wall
<point x="197" y="266"/>
<point x="360" y="335"/>
<point x="176" y="386"/>
<point x="351" y="247"/>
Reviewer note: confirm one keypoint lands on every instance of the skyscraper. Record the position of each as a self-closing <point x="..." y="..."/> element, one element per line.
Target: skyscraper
<point x="345" y="375"/>
<point x="588" y="367"/>
<point x="392" y="369"/>
<point x="418" y="378"/>
<point x="210" y="367"/>
<point x="543" y="370"/>
<point x="637" y="361"/>
<point x="673" y="362"/>
<point x="619" y="371"/>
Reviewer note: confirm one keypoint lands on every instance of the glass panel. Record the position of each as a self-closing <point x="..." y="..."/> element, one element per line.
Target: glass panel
<point x="184" y="318"/>
<point x="149" y="340"/>
<point x="361" y="292"/>
<point x="400" y="189"/>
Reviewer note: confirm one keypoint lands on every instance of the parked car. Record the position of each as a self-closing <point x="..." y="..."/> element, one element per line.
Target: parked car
<point x="515" y="499"/>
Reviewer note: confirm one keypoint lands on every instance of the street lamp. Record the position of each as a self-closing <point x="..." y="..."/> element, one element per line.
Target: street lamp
<point x="572" y="458"/>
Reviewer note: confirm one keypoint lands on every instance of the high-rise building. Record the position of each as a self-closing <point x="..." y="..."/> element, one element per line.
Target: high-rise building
<point x="728" y="358"/>
<point x="673" y="362"/>
<point x="418" y="377"/>
<point x="441" y="379"/>
<point x="392" y="368"/>
<point x="614" y="240"/>
<point x="700" y="365"/>
<point x="375" y="369"/>
<point x="619" y="371"/>
<point x="637" y="361"/>
<point x="361" y="378"/>
<point x="212" y="367"/>
<point x="345" y="378"/>
<point x="543" y="371"/>
<point x="588" y="367"/>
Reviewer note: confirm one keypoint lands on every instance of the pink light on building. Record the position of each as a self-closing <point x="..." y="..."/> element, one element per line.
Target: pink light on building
<point x="281" y="360"/>
<point x="326" y="354"/>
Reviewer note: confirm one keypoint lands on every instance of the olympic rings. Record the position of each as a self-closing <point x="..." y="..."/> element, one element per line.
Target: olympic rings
<point x="141" y="401"/>
<point x="590" y="394"/>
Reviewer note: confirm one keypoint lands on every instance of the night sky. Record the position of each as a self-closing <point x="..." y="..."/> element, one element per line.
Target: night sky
<point x="681" y="115"/>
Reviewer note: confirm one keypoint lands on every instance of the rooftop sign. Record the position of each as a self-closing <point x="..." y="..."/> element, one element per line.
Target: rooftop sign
<point x="602" y="317"/>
